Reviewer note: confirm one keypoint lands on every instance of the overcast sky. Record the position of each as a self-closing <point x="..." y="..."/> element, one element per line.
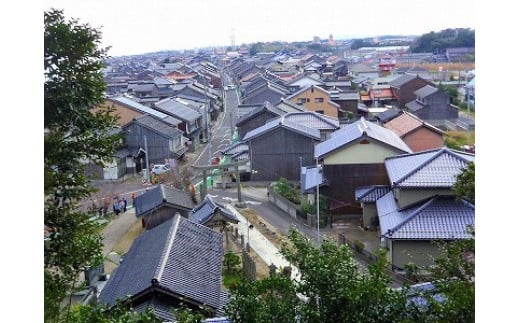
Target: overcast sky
<point x="139" y="26"/>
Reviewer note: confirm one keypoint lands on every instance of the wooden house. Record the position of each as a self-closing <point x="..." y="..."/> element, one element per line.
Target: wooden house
<point x="317" y="99"/>
<point x="278" y="149"/>
<point x="160" y="203"/>
<point x="354" y="157"/>
<point x="404" y="87"/>
<point x="175" y="265"/>
<point x="433" y="106"/>
<point x="416" y="133"/>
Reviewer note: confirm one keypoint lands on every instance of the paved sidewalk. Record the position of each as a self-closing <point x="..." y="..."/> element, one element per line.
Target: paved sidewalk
<point x="261" y="245"/>
<point x="117" y="228"/>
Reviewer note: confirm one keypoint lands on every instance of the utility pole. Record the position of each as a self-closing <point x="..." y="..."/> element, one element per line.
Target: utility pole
<point x="147" y="160"/>
<point x="318" y="199"/>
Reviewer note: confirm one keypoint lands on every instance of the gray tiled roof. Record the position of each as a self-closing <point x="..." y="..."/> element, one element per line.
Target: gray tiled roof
<point x="370" y="194"/>
<point x="414" y="105"/>
<point x="177" y="109"/>
<point x="137" y="106"/>
<point x="204" y="212"/>
<point x="182" y="256"/>
<point x="159" y="196"/>
<point x="355" y="131"/>
<point x="235" y="148"/>
<point x="280" y="122"/>
<point x="403" y="79"/>
<point x="439" y="217"/>
<point x="313" y="120"/>
<point x="388" y="115"/>
<point x="267" y="106"/>
<point x="432" y="168"/>
<point x="159" y="126"/>
<point x="425" y="91"/>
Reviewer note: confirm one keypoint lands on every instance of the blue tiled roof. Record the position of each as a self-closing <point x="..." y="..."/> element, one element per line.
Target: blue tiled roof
<point x="203" y="213"/>
<point x="440" y="217"/>
<point x="183" y="257"/>
<point x="432" y="168"/>
<point x="357" y="130"/>
<point x="370" y="194"/>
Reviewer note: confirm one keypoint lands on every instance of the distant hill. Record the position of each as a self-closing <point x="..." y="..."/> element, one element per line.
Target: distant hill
<point x="438" y="42"/>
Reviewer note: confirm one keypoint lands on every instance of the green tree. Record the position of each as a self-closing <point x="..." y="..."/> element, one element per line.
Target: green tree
<point x="453" y="275"/>
<point x="331" y="289"/>
<point x="465" y="185"/>
<point x="73" y="86"/>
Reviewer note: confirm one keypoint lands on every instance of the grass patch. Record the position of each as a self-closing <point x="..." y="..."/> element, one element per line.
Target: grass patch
<point x="455" y="139"/>
<point x="230" y="278"/>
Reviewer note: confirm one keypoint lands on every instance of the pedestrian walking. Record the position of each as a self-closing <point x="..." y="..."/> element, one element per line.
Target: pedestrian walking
<point x="133" y="199"/>
<point x="116" y="206"/>
<point x="124" y="204"/>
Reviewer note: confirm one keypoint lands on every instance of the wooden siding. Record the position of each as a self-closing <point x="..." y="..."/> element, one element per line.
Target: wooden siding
<point x="161" y="215"/>
<point x="255" y="122"/>
<point x="405" y="93"/>
<point x="437" y="108"/>
<point x="344" y="179"/>
<point x="158" y="146"/>
<point x="277" y="154"/>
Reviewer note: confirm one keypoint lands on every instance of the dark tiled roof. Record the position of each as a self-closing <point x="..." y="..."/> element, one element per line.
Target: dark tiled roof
<point x="403" y="79"/>
<point x="177" y="110"/>
<point x="159" y="126"/>
<point x="206" y="211"/>
<point x="280" y="122"/>
<point x="266" y="107"/>
<point x="439" y="217"/>
<point x="388" y="115"/>
<point x="160" y="195"/>
<point x="235" y="148"/>
<point x="428" y="169"/>
<point x="414" y="105"/>
<point x="426" y="91"/>
<point x="180" y="256"/>
<point x="313" y="120"/>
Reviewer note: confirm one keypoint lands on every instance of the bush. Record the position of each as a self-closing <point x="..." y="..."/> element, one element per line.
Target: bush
<point x="308" y="208"/>
<point x="287" y="190"/>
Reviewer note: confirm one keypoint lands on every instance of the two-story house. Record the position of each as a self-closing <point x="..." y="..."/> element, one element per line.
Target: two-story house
<point x="317" y="99"/>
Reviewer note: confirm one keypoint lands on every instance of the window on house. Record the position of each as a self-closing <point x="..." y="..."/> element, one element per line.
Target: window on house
<point x="301" y="101"/>
<point x="318" y="100"/>
<point x="320" y="111"/>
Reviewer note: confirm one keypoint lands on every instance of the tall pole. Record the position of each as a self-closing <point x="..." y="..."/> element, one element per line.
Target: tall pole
<point x="318" y="200"/>
<point x="147" y="160"/>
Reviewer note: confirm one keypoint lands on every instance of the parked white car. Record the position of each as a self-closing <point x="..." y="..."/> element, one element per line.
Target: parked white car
<point x="160" y="168"/>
